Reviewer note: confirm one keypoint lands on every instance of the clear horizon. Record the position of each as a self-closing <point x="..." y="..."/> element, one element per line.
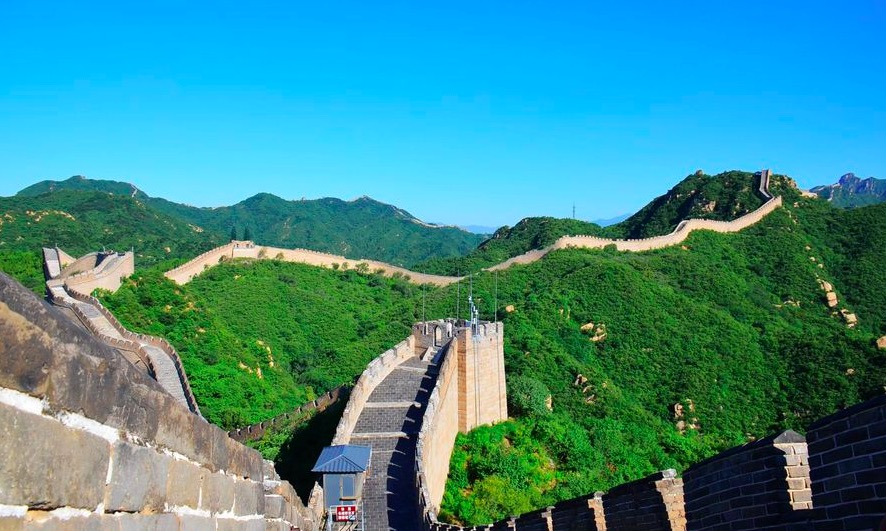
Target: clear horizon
<point x="463" y="115"/>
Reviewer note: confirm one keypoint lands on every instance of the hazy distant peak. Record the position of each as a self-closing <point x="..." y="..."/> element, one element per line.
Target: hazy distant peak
<point x="852" y="191"/>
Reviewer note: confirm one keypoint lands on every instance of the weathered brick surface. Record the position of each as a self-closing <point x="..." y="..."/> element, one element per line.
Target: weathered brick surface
<point x="196" y="523"/>
<point x="275" y="506"/>
<point x="44" y="464"/>
<point x="183" y="484"/>
<point x="138" y="479"/>
<point x="229" y="524"/>
<point x="147" y="522"/>
<point x="249" y="498"/>
<point x="218" y="493"/>
<point x="92" y="522"/>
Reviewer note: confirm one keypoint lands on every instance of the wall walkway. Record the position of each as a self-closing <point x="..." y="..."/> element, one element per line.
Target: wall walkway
<point x="158" y="356"/>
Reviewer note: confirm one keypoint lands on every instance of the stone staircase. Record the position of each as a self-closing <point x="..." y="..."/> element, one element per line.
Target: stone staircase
<point x="389" y="423"/>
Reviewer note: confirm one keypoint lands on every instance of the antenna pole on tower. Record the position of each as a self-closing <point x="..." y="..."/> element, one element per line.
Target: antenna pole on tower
<point x="573" y="210"/>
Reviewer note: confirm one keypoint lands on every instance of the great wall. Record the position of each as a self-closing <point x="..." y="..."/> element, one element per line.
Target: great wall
<point x="92" y="438"/>
<point x="248" y="249"/>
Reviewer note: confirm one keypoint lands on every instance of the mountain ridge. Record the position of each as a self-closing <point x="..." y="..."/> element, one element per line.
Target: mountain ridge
<point x="852" y="191"/>
<point x="359" y="228"/>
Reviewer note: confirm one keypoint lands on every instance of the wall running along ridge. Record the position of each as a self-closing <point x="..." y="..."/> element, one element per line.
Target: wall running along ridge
<point x="156" y="355"/>
<point x="248" y="249"/>
<point x="88" y="441"/>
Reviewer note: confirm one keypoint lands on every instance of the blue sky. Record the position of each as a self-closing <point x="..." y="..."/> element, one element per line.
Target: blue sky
<point x="467" y="113"/>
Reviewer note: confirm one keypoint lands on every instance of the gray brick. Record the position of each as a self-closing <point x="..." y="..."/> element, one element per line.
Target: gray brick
<point x="228" y="524"/>
<point x="275" y="506"/>
<point x="147" y="522"/>
<point x="196" y="523"/>
<point x="138" y="479"/>
<point x="44" y="464"/>
<point x="249" y="498"/>
<point x="183" y="485"/>
<point x="218" y="493"/>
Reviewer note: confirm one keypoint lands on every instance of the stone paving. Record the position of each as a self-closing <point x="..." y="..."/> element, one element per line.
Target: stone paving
<point x="389" y="424"/>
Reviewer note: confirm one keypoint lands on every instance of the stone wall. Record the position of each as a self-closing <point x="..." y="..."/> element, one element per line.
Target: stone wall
<point x="847" y="458"/>
<point x="377" y="370"/>
<point x="106" y="272"/>
<point x="90" y="442"/>
<point x="247" y="249"/>
<point x="436" y="439"/>
<point x="460" y="400"/>
<point x="129" y="341"/>
<point x="257" y="430"/>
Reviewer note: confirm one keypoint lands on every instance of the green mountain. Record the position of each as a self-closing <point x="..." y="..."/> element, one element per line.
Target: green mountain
<point x="851" y="191"/>
<point x="81" y="183"/>
<point x="260" y="337"/>
<point x="81" y="221"/>
<point x="528" y="234"/>
<point x="724" y="196"/>
<point x="734" y="328"/>
<point x="362" y="228"/>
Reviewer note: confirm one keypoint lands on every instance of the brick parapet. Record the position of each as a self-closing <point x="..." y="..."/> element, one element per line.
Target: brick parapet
<point x="749" y="485"/>
<point x="256" y="431"/>
<point x="847" y="461"/>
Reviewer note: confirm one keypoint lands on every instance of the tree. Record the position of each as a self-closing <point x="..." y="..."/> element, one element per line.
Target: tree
<point x="247" y="234"/>
<point x="233" y="232"/>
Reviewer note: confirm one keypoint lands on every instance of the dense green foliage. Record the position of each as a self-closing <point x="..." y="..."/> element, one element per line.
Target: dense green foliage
<point x="734" y="328"/>
<point x="851" y="191"/>
<point x="259" y="338"/>
<point x="853" y="242"/>
<point x="25" y="266"/>
<point x="362" y="228"/>
<point x="84" y="221"/>
<point x="507" y="242"/>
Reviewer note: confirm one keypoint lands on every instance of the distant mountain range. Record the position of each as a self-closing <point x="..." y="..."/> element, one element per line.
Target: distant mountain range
<point x="851" y="191"/>
<point x="362" y="228"/>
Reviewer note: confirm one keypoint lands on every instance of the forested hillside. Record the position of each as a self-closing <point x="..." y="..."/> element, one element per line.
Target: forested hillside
<point x="259" y="338"/>
<point x="83" y="221"/>
<point x="733" y="328"/>
<point x="362" y="228"/>
<point x="724" y="197"/>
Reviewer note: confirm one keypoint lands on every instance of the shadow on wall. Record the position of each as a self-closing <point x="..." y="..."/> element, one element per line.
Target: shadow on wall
<point x="303" y="446"/>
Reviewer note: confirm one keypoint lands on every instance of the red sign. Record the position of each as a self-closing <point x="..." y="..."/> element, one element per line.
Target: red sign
<point x="345" y="513"/>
